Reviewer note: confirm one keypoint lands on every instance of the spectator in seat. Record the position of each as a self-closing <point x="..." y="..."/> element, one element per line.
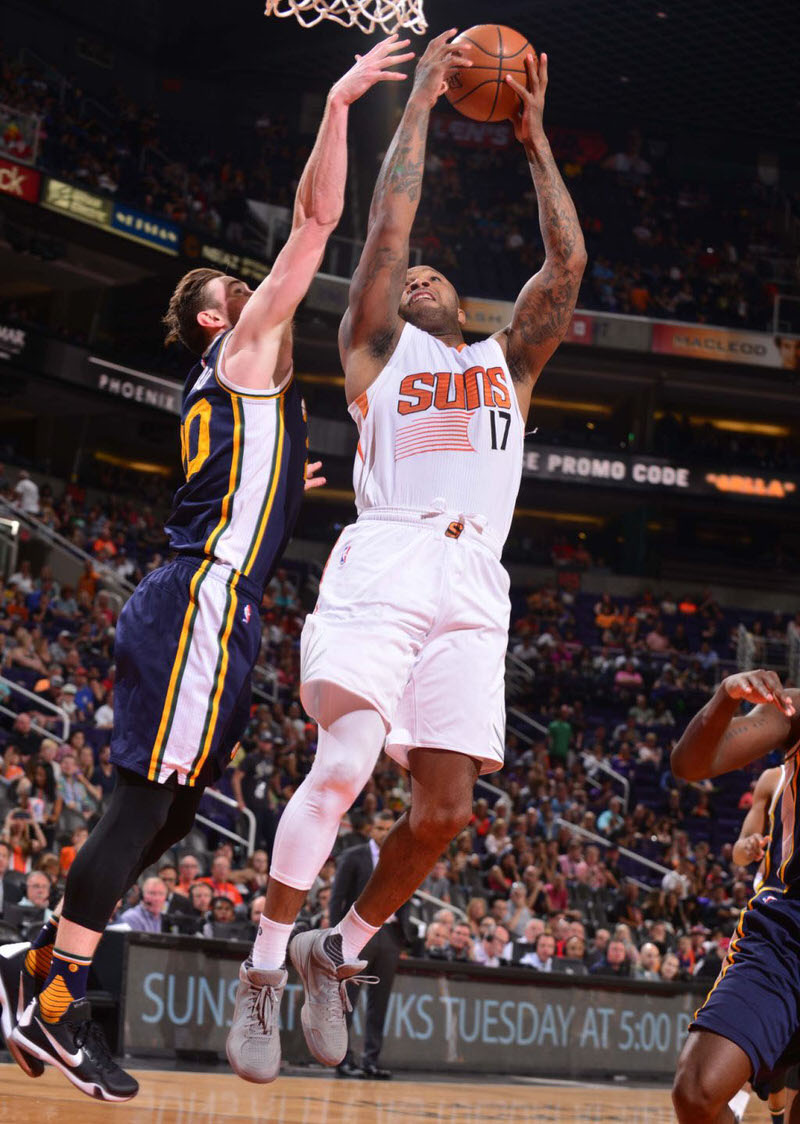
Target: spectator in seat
<point x="37" y="892"/>
<point x="559" y="737"/>
<point x="436" y="947"/>
<point x="461" y="942"/>
<point x="68" y="853"/>
<point x="541" y="959"/>
<point x="220" y="879"/>
<point x="146" y="917"/>
<point x="223" y="923"/>
<point x="176" y="902"/>
<point x="649" y="966"/>
<point x="188" y="872"/>
<point x="573" y="961"/>
<point x="611" y="821"/>
<point x="516" y="912"/>
<point x="201" y="895"/>
<point x="615" y="962"/>
<point x="670" y="968"/>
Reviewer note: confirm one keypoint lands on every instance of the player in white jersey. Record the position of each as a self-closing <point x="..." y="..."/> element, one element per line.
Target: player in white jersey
<point x="407" y="643"/>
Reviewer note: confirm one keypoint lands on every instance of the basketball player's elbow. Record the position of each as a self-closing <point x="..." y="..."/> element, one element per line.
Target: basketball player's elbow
<point x="685" y="764"/>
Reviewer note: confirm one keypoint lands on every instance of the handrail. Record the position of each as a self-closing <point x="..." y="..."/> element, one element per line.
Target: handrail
<point x="77" y="553"/>
<point x="603" y="842"/>
<point x="250" y="839"/>
<point x="520" y="666"/>
<point x="40" y="702"/>
<point x="604" y="767"/>
<point x="527" y="718"/>
<point x="438" y="901"/>
<point x="491" y="787"/>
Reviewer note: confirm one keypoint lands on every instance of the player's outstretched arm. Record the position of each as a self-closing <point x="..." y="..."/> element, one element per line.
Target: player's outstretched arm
<point x="717" y="742"/>
<point x="371" y="326"/>
<point x="544" y="308"/>
<point x="252" y="351"/>
<point x="750" y="846"/>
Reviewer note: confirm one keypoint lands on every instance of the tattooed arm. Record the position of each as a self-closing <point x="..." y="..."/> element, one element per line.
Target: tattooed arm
<point x="371" y="326"/>
<point x="716" y="742"/>
<point x="544" y="308"/>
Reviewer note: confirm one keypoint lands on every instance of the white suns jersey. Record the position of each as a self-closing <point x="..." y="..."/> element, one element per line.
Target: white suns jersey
<point x="441" y="425"/>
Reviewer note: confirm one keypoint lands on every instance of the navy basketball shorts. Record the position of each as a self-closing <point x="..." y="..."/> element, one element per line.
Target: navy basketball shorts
<point x="755" y="1001"/>
<point x="186" y="643"/>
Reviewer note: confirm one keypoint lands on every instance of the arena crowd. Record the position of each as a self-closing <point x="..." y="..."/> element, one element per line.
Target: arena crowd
<point x="584" y="855"/>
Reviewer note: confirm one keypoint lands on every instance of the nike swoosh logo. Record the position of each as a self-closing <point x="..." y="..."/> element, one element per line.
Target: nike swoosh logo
<point x="72" y="1060"/>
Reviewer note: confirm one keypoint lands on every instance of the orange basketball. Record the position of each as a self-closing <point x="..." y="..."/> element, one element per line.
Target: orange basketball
<point x="481" y="91"/>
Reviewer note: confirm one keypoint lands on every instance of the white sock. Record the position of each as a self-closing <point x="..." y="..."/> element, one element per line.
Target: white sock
<point x="738" y="1104"/>
<point x="355" y="933"/>
<point x="269" y="947"/>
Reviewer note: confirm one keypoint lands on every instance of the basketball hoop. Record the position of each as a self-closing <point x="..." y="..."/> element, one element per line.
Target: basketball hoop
<point x="389" y="15"/>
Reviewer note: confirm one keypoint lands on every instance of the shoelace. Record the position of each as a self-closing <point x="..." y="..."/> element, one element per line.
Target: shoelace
<point x="89" y="1035"/>
<point x="332" y="1014"/>
<point x="260" y="1022"/>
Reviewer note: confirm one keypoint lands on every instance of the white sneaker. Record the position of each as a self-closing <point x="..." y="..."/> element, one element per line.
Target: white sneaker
<point x="317" y="957"/>
<point x="254" y="1045"/>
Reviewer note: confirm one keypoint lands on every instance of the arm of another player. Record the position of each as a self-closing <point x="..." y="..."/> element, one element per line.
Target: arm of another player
<point x="544" y="308"/>
<point x="750" y="846"/>
<point x="252" y="351"/>
<point x="717" y="742"/>
<point x="371" y="326"/>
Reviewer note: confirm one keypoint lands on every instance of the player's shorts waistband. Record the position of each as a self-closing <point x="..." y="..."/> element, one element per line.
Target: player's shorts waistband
<point x="452" y="525"/>
<point x="222" y="572"/>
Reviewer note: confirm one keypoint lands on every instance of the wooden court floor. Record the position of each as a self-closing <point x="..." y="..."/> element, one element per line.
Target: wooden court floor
<point x="211" y="1098"/>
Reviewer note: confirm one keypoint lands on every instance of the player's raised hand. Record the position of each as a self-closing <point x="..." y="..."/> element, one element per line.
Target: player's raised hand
<point x="313" y="481"/>
<point x="527" y="121"/>
<point x="441" y="59"/>
<point x="760" y="687"/>
<point x="372" y="68"/>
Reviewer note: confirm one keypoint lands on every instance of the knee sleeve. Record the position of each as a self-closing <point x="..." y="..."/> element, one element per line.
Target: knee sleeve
<point x="346" y="755"/>
<point x="100" y="874"/>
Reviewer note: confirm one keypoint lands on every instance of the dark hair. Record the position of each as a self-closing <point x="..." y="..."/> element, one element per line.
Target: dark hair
<point x="49" y="781"/>
<point x="188" y="299"/>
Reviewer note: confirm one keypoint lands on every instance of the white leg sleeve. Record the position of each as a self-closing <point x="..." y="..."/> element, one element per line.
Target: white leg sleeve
<point x="347" y="752"/>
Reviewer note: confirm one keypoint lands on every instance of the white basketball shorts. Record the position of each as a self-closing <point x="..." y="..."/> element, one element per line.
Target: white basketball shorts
<point x="413" y="616"/>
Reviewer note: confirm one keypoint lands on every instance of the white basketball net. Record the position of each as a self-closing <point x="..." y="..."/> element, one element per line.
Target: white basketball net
<point x="389" y="15"/>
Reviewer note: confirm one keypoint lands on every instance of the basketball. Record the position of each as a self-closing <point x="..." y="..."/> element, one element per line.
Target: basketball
<point x="481" y="92"/>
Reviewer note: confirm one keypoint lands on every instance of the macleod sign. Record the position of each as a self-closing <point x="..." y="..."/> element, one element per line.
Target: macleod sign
<point x="581" y="466"/>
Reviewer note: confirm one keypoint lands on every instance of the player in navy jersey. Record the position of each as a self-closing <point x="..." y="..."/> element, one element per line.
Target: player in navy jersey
<point x="187" y="639"/>
<point x="745" y="1030"/>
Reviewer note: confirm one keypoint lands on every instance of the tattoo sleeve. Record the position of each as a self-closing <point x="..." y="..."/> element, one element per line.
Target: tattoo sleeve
<point x="546" y="304"/>
<point x="397" y="191"/>
<point x="377" y="284"/>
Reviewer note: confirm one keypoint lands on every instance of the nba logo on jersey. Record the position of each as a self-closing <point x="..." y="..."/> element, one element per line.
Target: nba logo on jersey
<point x="246" y="614"/>
<point x="345" y="552"/>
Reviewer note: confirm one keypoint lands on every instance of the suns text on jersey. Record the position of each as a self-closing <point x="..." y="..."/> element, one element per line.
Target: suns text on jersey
<point x="454" y="390"/>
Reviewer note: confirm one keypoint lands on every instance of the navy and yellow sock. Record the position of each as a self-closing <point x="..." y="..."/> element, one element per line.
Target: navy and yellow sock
<point x="66" y="982"/>
<point x="40" y="955"/>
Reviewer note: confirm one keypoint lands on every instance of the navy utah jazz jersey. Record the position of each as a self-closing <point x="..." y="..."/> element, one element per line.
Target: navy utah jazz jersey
<point x="243" y="454"/>
<point x="782" y="860"/>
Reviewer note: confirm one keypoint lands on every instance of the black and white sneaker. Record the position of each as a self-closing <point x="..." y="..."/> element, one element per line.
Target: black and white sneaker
<point x="17" y="989"/>
<point x="77" y="1046"/>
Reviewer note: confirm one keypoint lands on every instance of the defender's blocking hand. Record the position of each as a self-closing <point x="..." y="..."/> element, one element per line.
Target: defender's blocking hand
<point x="372" y="68"/>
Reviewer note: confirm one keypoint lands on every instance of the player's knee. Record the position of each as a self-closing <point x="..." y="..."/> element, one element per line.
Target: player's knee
<point x="438" y="823"/>
<point x="693" y="1096"/>
<point x="337" y="783"/>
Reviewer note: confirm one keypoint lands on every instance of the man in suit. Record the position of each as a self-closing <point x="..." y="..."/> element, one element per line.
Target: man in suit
<point x="11" y="889"/>
<point x="353" y="870"/>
